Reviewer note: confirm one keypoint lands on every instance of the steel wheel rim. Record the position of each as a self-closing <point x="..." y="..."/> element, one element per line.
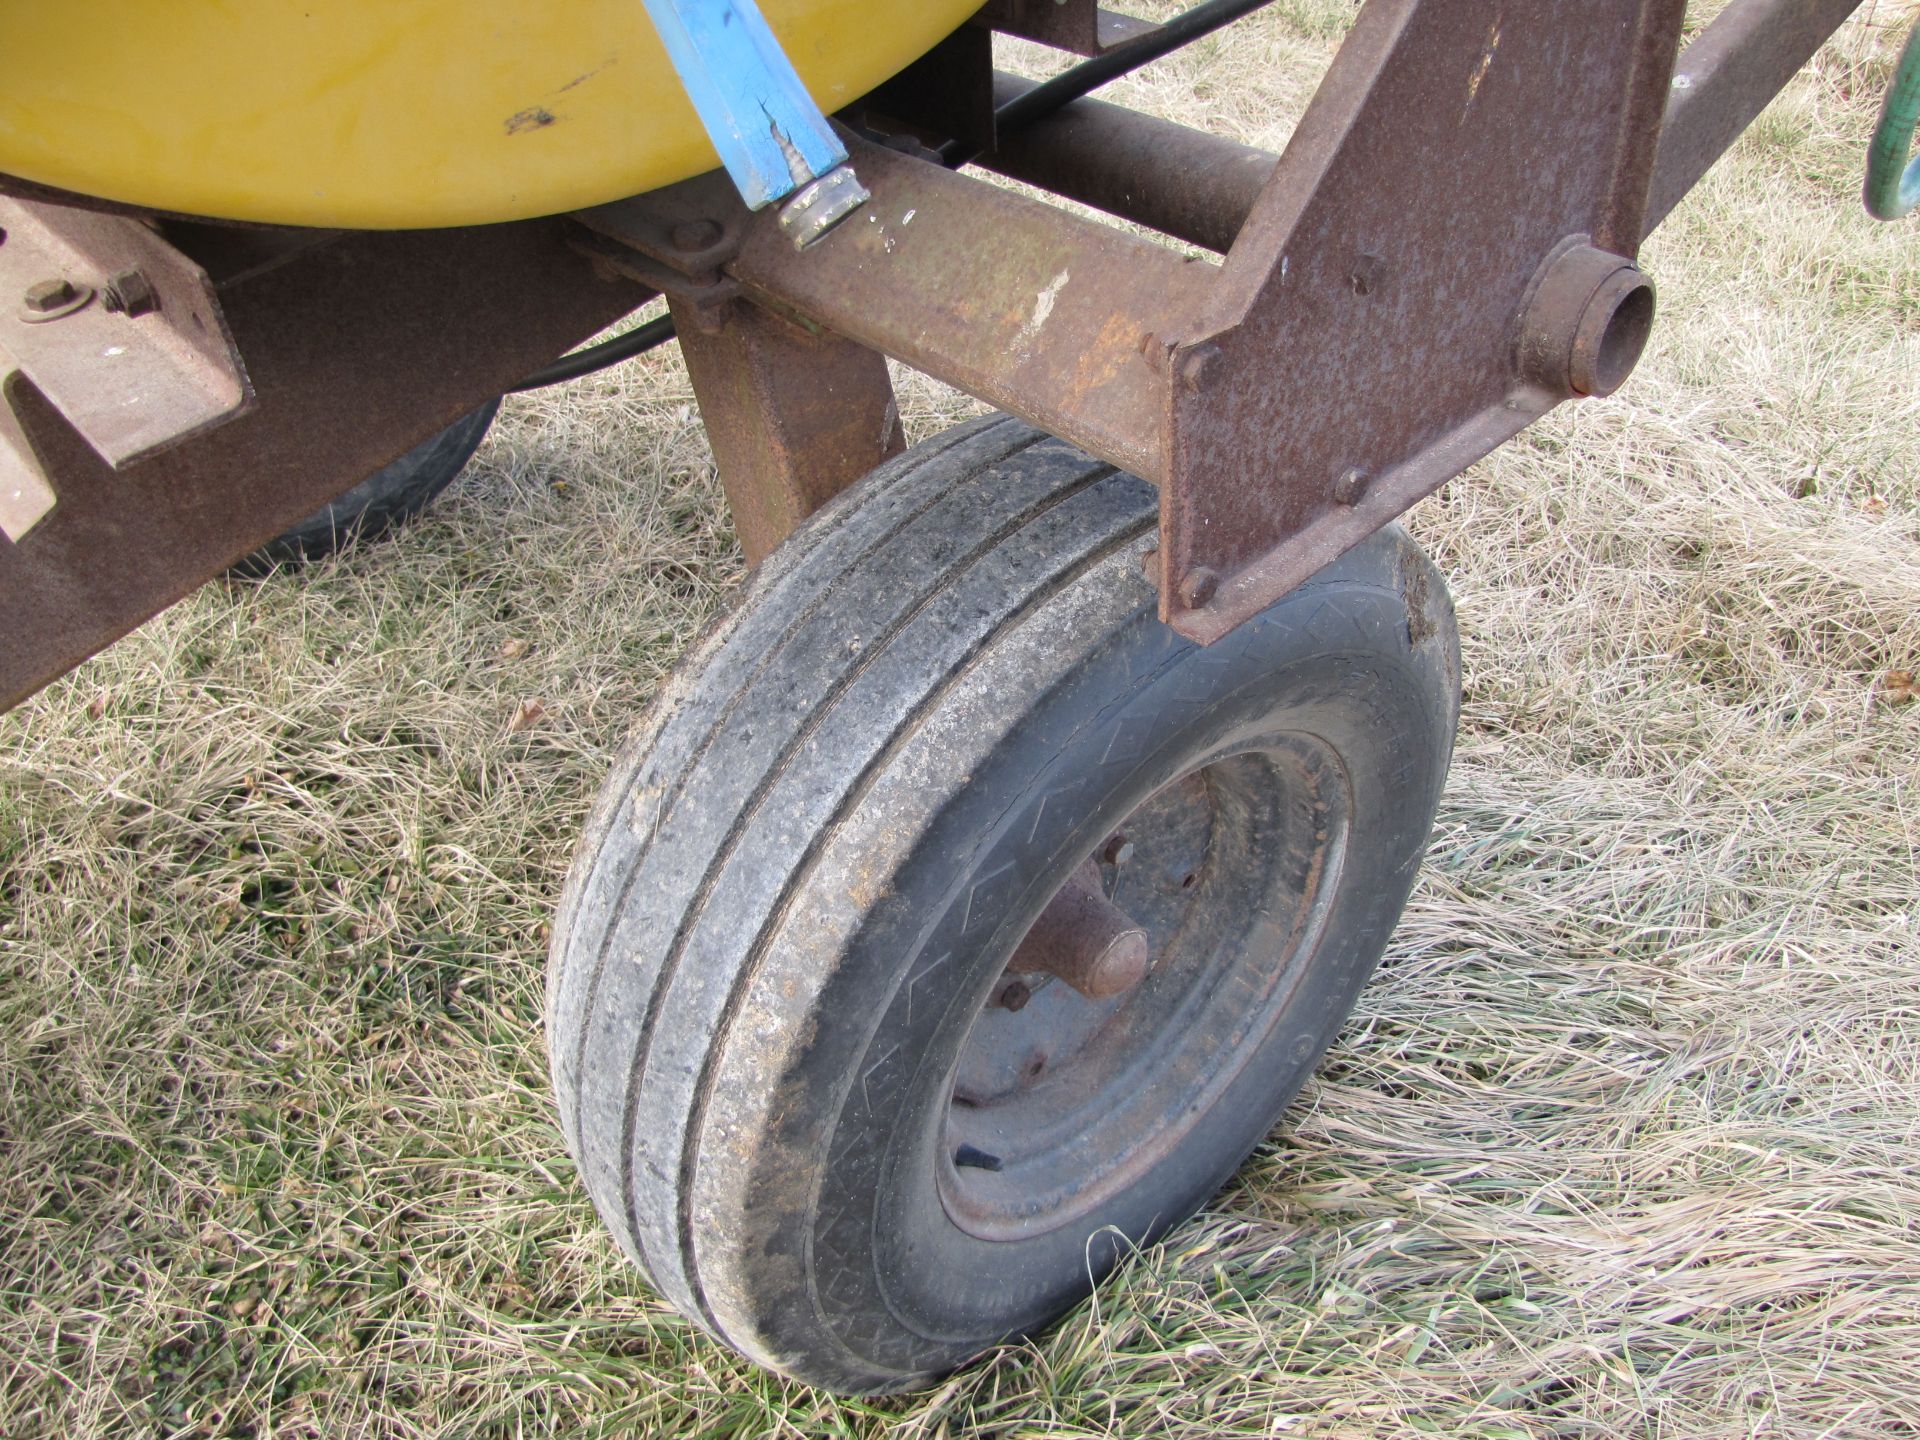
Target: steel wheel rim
<point x="1232" y="871"/>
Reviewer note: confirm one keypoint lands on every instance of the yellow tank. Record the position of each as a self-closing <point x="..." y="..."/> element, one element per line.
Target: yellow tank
<point x="390" y="114"/>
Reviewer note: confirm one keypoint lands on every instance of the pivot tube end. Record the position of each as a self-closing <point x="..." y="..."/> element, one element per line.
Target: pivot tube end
<point x="1587" y="321"/>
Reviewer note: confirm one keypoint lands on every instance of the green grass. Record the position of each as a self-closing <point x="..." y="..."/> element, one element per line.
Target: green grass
<point x="1621" y="1143"/>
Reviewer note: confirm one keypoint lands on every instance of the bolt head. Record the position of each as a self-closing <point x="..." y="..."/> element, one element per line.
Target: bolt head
<point x="1118" y="851"/>
<point x="1197" y="587"/>
<point x="47" y="295"/>
<point x="1015" y="994"/>
<point x="129" y="293"/>
<point x="1351" y="487"/>
<point x="1199" y="365"/>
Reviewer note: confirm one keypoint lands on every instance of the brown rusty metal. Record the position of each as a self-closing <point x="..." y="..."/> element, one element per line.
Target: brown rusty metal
<point x="358" y="350"/>
<point x="25" y="495"/>
<point x="1443" y="254"/>
<point x="1081" y="27"/>
<point x="1725" y="79"/>
<point x="1057" y="318"/>
<point x="1086" y="940"/>
<point x="1368" y="316"/>
<point x="1180" y="181"/>
<point x="794" y="414"/>
<point x="133" y="381"/>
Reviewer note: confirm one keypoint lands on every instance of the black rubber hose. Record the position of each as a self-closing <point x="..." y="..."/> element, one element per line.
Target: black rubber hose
<point x="636" y="341"/>
<point x="1089" y="75"/>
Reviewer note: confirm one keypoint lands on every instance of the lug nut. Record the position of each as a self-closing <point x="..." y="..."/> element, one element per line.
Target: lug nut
<point x="1014" y="995"/>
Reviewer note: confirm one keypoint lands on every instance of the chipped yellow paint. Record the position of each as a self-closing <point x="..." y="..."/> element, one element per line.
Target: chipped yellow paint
<point x="389" y="114"/>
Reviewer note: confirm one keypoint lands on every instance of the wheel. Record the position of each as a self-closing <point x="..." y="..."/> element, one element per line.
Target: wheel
<point x="847" y="1012"/>
<point x="392" y="494"/>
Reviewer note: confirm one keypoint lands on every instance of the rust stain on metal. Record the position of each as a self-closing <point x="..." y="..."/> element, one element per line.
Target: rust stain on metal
<point x="794" y="412"/>
<point x="340" y="390"/>
<point x="1410" y="238"/>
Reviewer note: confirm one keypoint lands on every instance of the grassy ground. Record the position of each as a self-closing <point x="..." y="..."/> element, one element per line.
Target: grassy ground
<point x="1622" y="1142"/>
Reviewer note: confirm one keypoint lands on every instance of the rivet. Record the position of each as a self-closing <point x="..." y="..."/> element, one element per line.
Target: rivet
<point x="696" y="235"/>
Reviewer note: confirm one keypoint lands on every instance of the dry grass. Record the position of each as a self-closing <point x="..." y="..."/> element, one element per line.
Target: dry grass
<point x="1622" y="1142"/>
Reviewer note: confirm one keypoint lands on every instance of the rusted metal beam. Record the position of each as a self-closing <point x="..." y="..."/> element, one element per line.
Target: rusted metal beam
<point x="357" y="351"/>
<point x="1442" y="255"/>
<point x="1368" y="337"/>
<point x="1726" y="77"/>
<point x="1168" y="177"/>
<point x="794" y="414"/>
<point x="1060" y="319"/>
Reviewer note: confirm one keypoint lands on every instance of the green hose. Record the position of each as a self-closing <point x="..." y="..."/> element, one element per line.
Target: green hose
<point x="1893" y="184"/>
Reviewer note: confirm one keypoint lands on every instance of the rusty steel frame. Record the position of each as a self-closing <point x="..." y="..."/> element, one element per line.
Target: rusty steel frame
<point x="1443" y="252"/>
<point x="357" y="350"/>
<point x="794" y="414"/>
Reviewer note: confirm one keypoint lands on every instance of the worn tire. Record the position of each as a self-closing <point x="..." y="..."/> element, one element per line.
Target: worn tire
<point x="391" y="495"/>
<point x="803" y="882"/>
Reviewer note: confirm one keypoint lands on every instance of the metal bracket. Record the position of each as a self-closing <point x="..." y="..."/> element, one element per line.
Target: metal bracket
<point x="25" y="495"/>
<point x="1443" y="253"/>
<point x="1367" y="340"/>
<point x="1080" y="27"/>
<point x="137" y="357"/>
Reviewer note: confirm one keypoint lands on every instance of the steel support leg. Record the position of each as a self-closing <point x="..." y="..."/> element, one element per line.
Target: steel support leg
<point x="795" y="415"/>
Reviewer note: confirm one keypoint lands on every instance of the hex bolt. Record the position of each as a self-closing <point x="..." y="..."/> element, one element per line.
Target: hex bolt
<point x="129" y="293"/>
<point x="1118" y="850"/>
<point x="1197" y="587"/>
<point x="1351" y="487"/>
<point x="43" y="297"/>
<point x="1198" y="366"/>
<point x="46" y="300"/>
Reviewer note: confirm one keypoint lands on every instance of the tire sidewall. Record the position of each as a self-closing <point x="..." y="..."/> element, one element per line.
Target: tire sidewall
<point x="905" y="1291"/>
